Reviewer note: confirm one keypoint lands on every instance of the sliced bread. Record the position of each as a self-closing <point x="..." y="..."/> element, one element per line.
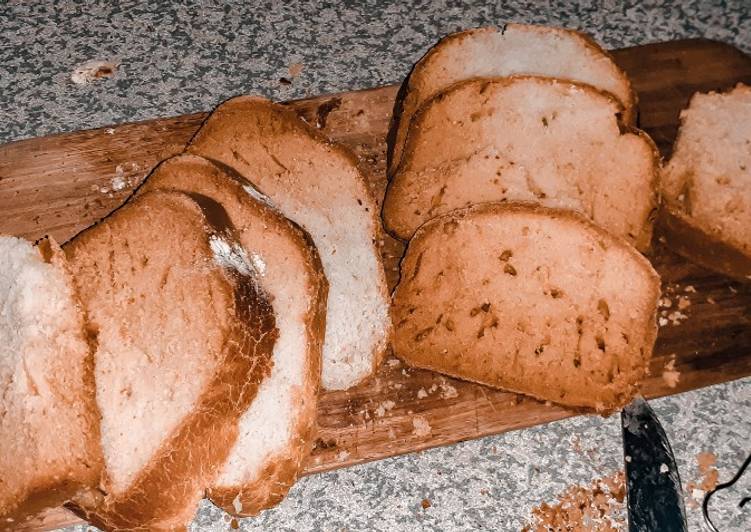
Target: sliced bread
<point x="316" y="184"/>
<point x="276" y="431"/>
<point x="184" y="338"/>
<point x="706" y="185"/>
<point x="49" y="429"/>
<point x="511" y="50"/>
<point x="530" y="299"/>
<point x="536" y="139"/>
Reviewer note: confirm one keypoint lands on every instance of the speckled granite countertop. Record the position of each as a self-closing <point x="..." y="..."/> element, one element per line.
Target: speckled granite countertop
<point x="189" y="56"/>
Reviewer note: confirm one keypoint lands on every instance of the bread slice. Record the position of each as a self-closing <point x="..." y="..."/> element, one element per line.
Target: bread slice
<point x="530" y="299"/>
<point x="49" y="444"/>
<point x="316" y="184"/>
<point x="184" y="338"/>
<point x="499" y="52"/>
<point x="706" y="185"/>
<point x="276" y="431"/>
<point x="525" y="139"/>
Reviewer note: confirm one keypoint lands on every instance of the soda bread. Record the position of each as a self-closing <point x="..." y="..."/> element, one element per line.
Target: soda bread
<point x="316" y="184"/>
<point x="184" y="335"/>
<point x="499" y="52"/>
<point x="277" y="430"/>
<point x="525" y="139"/>
<point x="49" y="429"/>
<point x="706" y="185"/>
<point x="530" y="299"/>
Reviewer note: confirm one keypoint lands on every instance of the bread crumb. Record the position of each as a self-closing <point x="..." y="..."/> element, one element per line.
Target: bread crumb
<point x="234" y="524"/>
<point x="733" y="289"/>
<point x="448" y="391"/>
<point x="405" y="372"/>
<point x="237" y="504"/>
<point x="421" y="393"/>
<point x="662" y="322"/>
<point x="384" y="407"/>
<point x="711" y="301"/>
<point x="676" y="317"/>
<point x="90" y="71"/>
<point x="420" y="426"/>
<point x="707" y="469"/>
<point x="598" y="506"/>
<point x="394" y="362"/>
<point x="683" y="303"/>
<point x="690" y="288"/>
<point x="664" y="468"/>
<point x="295" y="69"/>
<point x="670" y="375"/>
<point x="342" y="455"/>
<point x="433" y="388"/>
<point x="425" y="504"/>
<point x="109" y="131"/>
<point x="665" y="302"/>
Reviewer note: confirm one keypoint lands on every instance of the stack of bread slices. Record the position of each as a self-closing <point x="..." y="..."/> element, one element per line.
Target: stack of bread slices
<point x="175" y="349"/>
<point x="526" y="196"/>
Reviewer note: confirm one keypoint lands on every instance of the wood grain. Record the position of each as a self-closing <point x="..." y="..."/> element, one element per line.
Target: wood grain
<point x="59" y="185"/>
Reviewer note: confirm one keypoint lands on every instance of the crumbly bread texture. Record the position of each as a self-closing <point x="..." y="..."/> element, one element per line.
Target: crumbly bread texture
<point x="184" y="338"/>
<point x="49" y="429"/>
<point x="277" y="430"/>
<point x="530" y="299"/>
<point x="514" y="49"/>
<point x="706" y="185"/>
<point x="316" y="184"/>
<point x="525" y="139"/>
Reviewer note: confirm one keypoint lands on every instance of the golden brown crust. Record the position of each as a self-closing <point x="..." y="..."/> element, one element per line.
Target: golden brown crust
<point x="404" y="104"/>
<point x="163" y="495"/>
<point x="602" y="401"/>
<point x="194" y="174"/>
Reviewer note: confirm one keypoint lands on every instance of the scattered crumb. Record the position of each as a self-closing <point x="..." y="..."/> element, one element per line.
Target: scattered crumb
<point x="433" y="388"/>
<point x="670" y="375"/>
<point x="733" y="289"/>
<point x="109" y="131"/>
<point x="664" y="468"/>
<point x="421" y="393"/>
<point x="342" y="455"/>
<point x="448" y="391"/>
<point x="394" y="362"/>
<point x="690" y="288"/>
<point x="384" y="407"/>
<point x="711" y="301"/>
<point x="596" y="507"/>
<point x="665" y="302"/>
<point x="295" y="69"/>
<point x="707" y="462"/>
<point x="662" y="322"/>
<point x="90" y="71"/>
<point x="396" y="385"/>
<point x="405" y="372"/>
<point x="234" y="524"/>
<point x="420" y="425"/>
<point x="426" y="504"/>
<point x="683" y="303"/>
<point x="484" y="491"/>
<point x="676" y="317"/>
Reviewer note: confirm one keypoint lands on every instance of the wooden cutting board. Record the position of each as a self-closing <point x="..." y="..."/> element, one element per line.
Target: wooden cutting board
<point x="60" y="184"/>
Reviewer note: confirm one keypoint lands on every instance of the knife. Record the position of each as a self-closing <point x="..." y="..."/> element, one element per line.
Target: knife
<point x="653" y="486"/>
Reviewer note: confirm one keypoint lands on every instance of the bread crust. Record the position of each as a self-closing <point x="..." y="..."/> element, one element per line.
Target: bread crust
<point x="406" y="103"/>
<point x="392" y="202"/>
<point x="276" y="119"/>
<point x="82" y="474"/>
<point x="164" y="494"/>
<point x="601" y="402"/>
<point x="194" y="174"/>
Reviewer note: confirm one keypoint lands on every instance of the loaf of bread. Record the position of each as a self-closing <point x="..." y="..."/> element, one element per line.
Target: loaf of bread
<point x="514" y="49"/>
<point x="530" y="299"/>
<point x="706" y="185"/>
<point x="318" y="185"/>
<point x="276" y="432"/>
<point x="536" y="139"/>
<point x="49" y="430"/>
<point x="184" y="335"/>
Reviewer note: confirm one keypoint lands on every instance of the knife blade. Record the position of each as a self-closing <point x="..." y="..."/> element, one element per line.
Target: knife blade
<point x="653" y="485"/>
